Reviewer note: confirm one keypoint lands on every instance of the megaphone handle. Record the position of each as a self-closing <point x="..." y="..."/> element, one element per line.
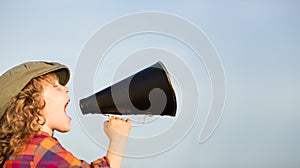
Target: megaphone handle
<point x="137" y="125"/>
<point x="144" y="122"/>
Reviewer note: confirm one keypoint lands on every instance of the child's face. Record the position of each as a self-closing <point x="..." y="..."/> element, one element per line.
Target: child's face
<point x="57" y="99"/>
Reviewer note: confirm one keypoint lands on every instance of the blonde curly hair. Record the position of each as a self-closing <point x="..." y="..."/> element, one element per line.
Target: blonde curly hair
<point x="23" y="117"/>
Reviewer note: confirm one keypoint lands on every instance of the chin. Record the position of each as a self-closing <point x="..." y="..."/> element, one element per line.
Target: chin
<point x="66" y="129"/>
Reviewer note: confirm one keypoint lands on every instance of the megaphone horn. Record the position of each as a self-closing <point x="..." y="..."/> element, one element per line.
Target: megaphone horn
<point x="131" y="96"/>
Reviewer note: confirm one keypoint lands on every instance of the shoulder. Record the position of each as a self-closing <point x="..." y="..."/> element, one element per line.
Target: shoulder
<point x="43" y="142"/>
<point x="48" y="146"/>
<point x="50" y="152"/>
<point x="46" y="143"/>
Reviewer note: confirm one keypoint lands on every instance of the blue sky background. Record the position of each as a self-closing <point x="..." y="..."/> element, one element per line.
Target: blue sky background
<point x="257" y="41"/>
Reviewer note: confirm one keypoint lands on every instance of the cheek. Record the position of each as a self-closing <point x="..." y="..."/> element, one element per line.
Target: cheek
<point x="46" y="93"/>
<point x="49" y="98"/>
<point x="53" y="98"/>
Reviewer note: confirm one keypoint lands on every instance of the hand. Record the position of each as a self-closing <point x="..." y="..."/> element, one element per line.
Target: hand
<point x="117" y="128"/>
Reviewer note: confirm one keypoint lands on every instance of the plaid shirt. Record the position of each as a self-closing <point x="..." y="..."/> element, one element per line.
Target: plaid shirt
<point x="45" y="151"/>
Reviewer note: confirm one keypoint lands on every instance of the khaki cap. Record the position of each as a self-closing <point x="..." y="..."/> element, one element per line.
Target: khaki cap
<point x="15" y="79"/>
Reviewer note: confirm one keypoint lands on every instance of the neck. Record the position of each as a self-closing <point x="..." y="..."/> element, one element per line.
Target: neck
<point x="47" y="130"/>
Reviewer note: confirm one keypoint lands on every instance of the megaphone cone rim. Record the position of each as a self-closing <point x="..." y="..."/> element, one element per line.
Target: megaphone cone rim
<point x="171" y="84"/>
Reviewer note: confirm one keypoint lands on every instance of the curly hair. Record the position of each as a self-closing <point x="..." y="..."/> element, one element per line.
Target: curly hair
<point x="23" y="117"/>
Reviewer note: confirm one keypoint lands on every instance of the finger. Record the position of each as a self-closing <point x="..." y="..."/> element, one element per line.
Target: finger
<point x="124" y="120"/>
<point x="128" y="120"/>
<point x="111" y="118"/>
<point x="106" y="123"/>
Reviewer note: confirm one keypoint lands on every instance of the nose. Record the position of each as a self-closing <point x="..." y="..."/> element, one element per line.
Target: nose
<point x="67" y="89"/>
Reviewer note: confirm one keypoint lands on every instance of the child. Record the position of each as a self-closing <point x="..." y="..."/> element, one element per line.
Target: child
<point x="33" y="104"/>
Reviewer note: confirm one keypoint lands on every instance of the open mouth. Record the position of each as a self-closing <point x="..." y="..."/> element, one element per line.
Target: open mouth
<point x="66" y="105"/>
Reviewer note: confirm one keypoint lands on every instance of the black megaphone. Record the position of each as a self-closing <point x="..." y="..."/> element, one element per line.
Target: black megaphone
<point x="148" y="92"/>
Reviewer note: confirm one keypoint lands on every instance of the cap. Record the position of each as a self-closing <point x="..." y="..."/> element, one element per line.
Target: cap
<point x="15" y="79"/>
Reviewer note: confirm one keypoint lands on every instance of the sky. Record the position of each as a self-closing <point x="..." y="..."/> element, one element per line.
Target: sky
<point x="257" y="44"/>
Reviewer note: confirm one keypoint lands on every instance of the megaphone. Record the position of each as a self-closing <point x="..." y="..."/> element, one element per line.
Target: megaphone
<point x="147" y="92"/>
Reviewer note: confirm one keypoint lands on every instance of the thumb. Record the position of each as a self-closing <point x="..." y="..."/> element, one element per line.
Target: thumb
<point x="106" y="125"/>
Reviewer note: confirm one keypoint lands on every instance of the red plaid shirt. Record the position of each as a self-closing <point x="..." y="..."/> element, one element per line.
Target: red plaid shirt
<point x="45" y="151"/>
